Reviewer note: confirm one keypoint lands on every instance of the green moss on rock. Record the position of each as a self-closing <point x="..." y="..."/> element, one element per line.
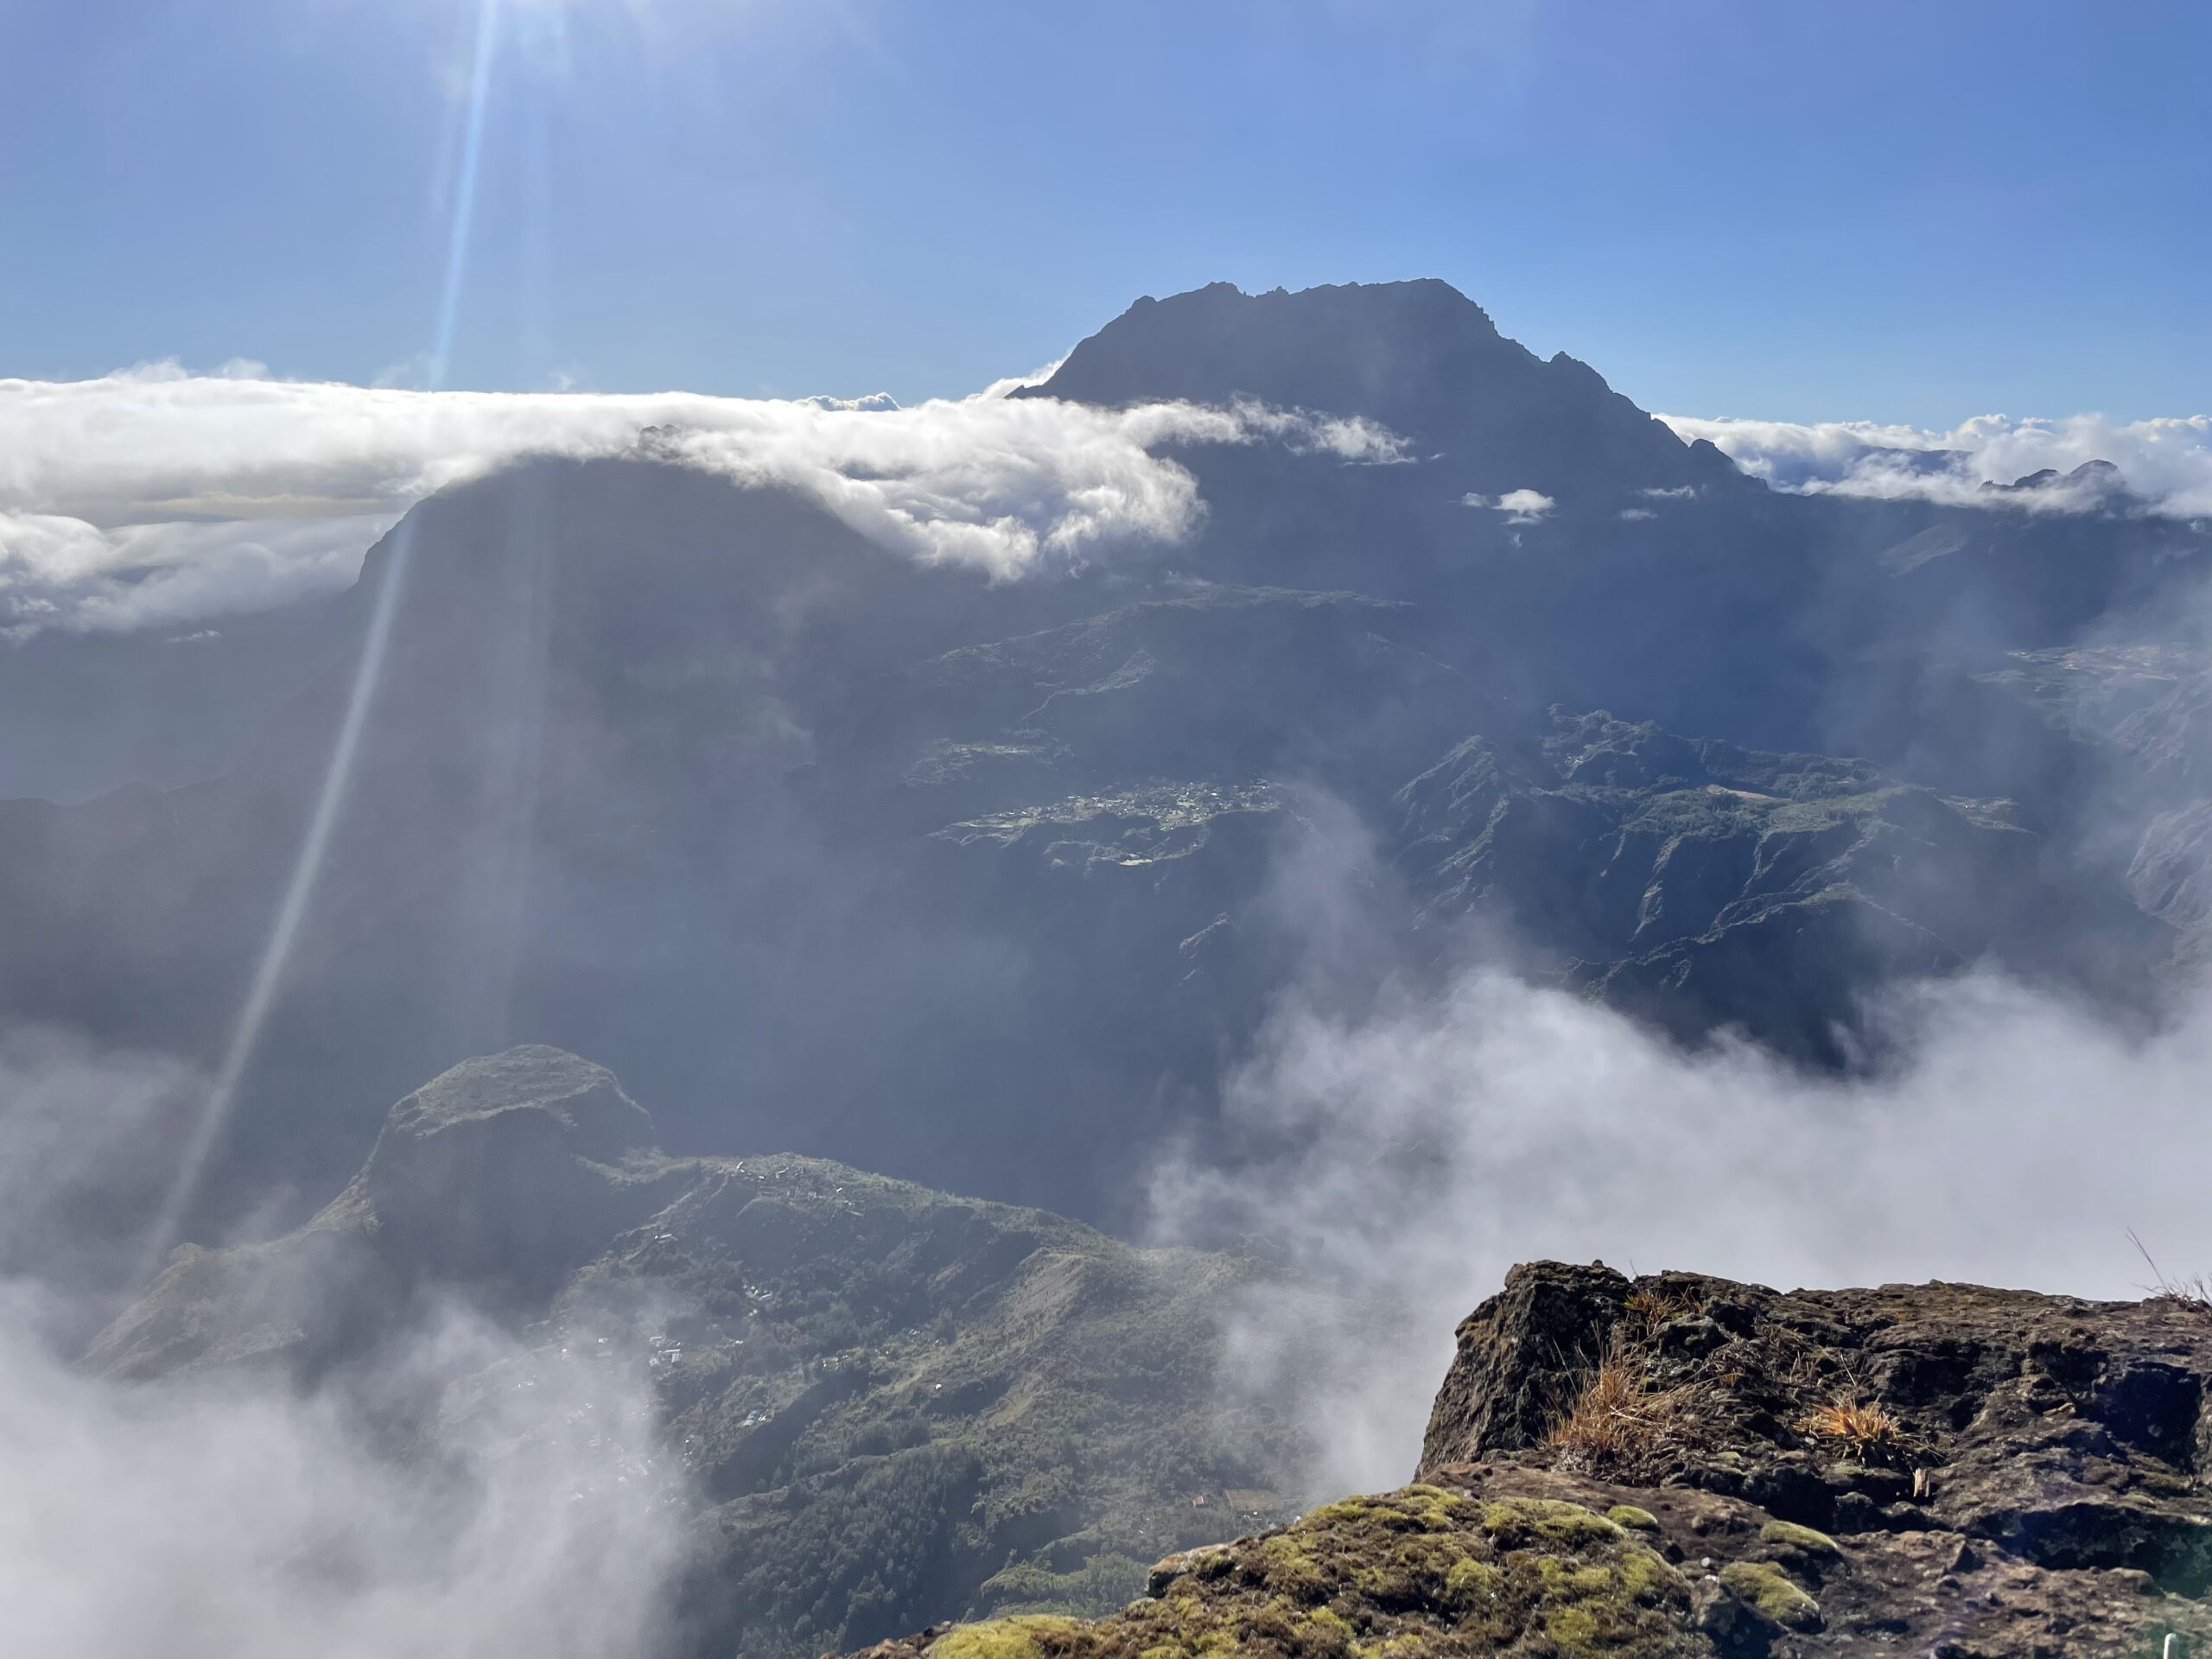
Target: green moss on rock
<point x="1395" y="1576"/>
<point x="1026" y="1635"/>
<point x="1627" y="1516"/>
<point x="1519" y="1522"/>
<point x="1103" y="1583"/>
<point x="1771" y="1593"/>
<point x="1473" y="1583"/>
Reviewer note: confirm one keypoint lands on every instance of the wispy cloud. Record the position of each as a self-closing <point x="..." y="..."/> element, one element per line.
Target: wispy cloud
<point x="2167" y="463"/>
<point x="231" y="1516"/>
<point x="448" y="1490"/>
<point x="1408" y="1135"/>
<point x="1415" y="1151"/>
<point x="1519" y="506"/>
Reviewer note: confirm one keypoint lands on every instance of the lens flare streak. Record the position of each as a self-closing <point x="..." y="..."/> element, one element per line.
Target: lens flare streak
<point x="268" y="974"/>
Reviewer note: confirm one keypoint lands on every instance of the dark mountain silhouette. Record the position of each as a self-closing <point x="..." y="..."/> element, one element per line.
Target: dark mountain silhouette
<point x="1420" y="357"/>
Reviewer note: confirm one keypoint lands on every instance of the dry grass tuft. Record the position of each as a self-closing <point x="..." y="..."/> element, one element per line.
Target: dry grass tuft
<point x="2193" y="1290"/>
<point x="1649" y="1310"/>
<point x="1618" y="1419"/>
<point x="1867" y="1429"/>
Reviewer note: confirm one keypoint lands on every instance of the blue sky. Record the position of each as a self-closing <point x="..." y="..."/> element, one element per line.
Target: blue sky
<point x="1912" y="213"/>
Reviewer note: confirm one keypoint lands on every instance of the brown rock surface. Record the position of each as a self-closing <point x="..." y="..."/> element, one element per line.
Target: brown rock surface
<point x="2002" y="1472"/>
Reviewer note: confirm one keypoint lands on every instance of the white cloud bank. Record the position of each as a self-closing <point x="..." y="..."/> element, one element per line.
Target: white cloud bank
<point x="1417" y="1151"/>
<point x="2167" y="462"/>
<point x="157" y="499"/>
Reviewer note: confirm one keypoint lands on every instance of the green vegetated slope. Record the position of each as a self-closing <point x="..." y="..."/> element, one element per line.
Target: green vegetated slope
<point x="888" y="1405"/>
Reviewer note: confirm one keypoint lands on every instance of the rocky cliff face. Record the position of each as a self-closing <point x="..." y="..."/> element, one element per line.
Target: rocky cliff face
<point x="1683" y="1465"/>
<point x="2011" y="1473"/>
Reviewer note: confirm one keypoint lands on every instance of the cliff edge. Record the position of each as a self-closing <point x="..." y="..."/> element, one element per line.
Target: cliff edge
<point x="1678" y="1464"/>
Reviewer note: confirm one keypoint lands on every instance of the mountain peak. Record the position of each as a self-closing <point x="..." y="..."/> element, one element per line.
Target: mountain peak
<point x="1419" y="357"/>
<point x="582" y="1105"/>
<point x="1330" y="347"/>
<point x="2091" y="479"/>
<point x="500" y="1169"/>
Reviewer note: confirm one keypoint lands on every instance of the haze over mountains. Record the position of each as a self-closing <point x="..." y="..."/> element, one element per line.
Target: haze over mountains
<point x="979" y="876"/>
<point x="1307" y="785"/>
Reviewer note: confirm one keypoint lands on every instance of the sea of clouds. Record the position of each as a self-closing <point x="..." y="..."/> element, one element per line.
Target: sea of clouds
<point x="156" y="499"/>
<point x="2166" y="463"/>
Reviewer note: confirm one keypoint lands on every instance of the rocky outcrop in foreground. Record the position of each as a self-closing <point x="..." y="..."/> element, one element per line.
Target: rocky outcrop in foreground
<point x="1683" y="1465"/>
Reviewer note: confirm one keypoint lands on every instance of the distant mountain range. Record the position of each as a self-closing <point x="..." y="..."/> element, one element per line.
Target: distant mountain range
<point x="983" y="884"/>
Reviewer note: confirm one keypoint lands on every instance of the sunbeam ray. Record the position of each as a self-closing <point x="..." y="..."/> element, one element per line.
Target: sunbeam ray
<point x="307" y="870"/>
